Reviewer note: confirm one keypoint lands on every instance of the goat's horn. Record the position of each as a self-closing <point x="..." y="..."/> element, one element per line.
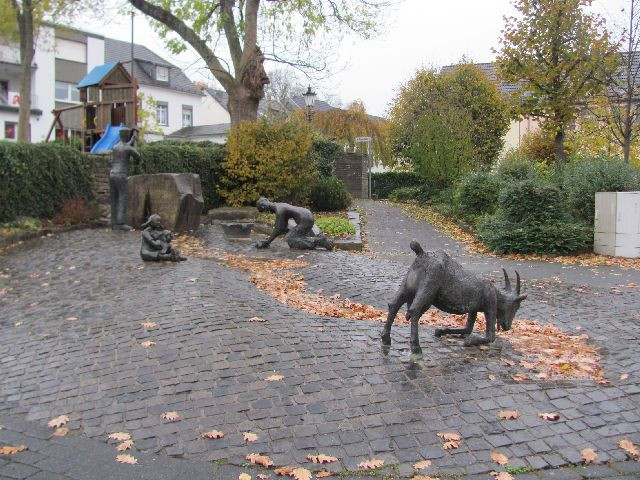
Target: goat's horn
<point x="507" y="283"/>
<point x="517" y="283"/>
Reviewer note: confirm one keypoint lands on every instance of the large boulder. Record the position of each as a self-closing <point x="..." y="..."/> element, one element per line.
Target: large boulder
<point x="176" y="197"/>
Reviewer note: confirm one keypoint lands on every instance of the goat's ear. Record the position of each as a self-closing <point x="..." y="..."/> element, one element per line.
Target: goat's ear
<point x="521" y="297"/>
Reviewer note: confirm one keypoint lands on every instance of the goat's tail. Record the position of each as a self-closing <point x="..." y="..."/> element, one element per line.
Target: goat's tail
<point x="415" y="246"/>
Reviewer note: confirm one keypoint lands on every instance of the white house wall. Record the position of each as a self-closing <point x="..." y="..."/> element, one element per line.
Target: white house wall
<point x="212" y="112"/>
<point x="95" y="52"/>
<point x="517" y="130"/>
<point x="175" y="101"/>
<point x="70" y="50"/>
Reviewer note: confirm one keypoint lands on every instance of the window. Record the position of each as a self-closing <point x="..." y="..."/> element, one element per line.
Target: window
<point x="162" y="74"/>
<point x="4" y="92"/>
<point x="187" y="116"/>
<point x="10" y="130"/>
<point x="67" y="92"/>
<point x="162" y="113"/>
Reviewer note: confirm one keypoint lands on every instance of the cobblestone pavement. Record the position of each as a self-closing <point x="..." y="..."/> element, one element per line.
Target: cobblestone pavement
<point x="70" y="335"/>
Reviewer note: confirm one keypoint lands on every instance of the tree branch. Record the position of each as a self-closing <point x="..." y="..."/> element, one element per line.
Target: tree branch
<point x="231" y="32"/>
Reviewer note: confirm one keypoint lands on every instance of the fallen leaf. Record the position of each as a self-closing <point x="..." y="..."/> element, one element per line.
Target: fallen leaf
<point x="321" y="458"/>
<point x="58" y="421"/>
<point x="192" y="280"/>
<point x="589" y="455"/>
<point x="424" y="477"/>
<point x="130" y="459"/>
<point x="147" y="344"/>
<point x="257" y="319"/>
<point x="284" y="470"/>
<point x="274" y="378"/>
<point x="499" y="458"/>
<point x="630" y="448"/>
<point x="171" y="416"/>
<point x="552" y="417"/>
<point x="511" y="363"/>
<point x="447" y="436"/>
<point x="528" y="365"/>
<point x="17" y="324"/>
<point x="371" y="464"/>
<point x="258" y="459"/>
<point x="11" y="449"/>
<point x="501" y="475"/>
<point x="262" y="476"/>
<point x="71" y="318"/>
<point x="624" y="376"/>
<point x="60" y="432"/>
<point x="244" y="476"/>
<point x="249" y="437"/>
<point x="450" y="445"/>
<point x="492" y="377"/>
<point x="126" y="445"/>
<point x="422" y="465"/>
<point x="301" y="474"/>
<point x="323" y="474"/>
<point x="509" y="414"/>
<point x="213" y="434"/>
<point x="149" y="325"/>
<point x="483" y="347"/>
<point x="119" y="436"/>
<point x="520" y="377"/>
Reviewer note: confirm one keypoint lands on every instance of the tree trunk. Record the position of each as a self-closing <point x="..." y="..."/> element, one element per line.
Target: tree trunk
<point x="242" y="106"/>
<point x="626" y="149"/>
<point x="559" y="148"/>
<point x="27" y="52"/>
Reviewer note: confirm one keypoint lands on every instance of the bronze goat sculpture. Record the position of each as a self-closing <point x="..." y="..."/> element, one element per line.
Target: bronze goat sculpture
<point x="436" y="279"/>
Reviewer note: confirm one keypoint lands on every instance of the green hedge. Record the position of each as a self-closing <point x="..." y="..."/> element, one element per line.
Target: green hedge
<point x="203" y="158"/>
<point x="325" y="153"/>
<point x="382" y="184"/>
<point x="37" y="179"/>
<point x="476" y="195"/>
<point x="532" y="218"/>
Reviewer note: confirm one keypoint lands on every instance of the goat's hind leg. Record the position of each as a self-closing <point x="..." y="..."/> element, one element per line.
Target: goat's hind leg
<point x="397" y="302"/>
<point x="471" y="320"/>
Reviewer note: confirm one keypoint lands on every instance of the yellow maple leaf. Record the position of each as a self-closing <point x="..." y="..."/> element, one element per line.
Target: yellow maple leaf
<point x="129" y="459"/>
<point x="213" y="434"/>
<point x="422" y="465"/>
<point x="321" y="458"/>
<point x="58" y="421"/>
<point x="323" y="474"/>
<point x="257" y="319"/>
<point x="249" y="437"/>
<point x="499" y="458"/>
<point x="244" y="476"/>
<point x="258" y="459"/>
<point x="119" y="436"/>
<point x="147" y="344"/>
<point x="274" y="378"/>
<point x="371" y="464"/>
<point x="447" y="436"/>
<point x="12" y="449"/>
<point x="126" y="445"/>
<point x="509" y="414"/>
<point x="300" y="473"/>
<point x="549" y="416"/>
<point x="149" y="325"/>
<point x="170" y="416"/>
<point x="60" y="432"/>
<point x="630" y="448"/>
<point x="589" y="455"/>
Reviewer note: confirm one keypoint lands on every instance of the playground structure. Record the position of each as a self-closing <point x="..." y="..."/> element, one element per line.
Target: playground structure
<point x="108" y="96"/>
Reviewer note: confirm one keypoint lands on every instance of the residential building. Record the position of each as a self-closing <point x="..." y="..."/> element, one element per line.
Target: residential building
<point x="64" y="56"/>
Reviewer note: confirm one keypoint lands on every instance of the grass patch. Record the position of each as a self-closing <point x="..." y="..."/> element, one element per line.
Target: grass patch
<point x="516" y="470"/>
<point x="20" y="226"/>
<point x="335" y="226"/>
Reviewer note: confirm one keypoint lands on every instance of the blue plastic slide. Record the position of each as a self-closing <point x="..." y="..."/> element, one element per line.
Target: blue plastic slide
<point x="109" y="139"/>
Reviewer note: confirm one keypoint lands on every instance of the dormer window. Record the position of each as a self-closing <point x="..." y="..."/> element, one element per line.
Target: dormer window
<point x="162" y="74"/>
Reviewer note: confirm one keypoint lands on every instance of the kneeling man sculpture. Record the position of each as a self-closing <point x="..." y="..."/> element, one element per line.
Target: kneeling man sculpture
<point x="436" y="279"/>
<point x="301" y="236"/>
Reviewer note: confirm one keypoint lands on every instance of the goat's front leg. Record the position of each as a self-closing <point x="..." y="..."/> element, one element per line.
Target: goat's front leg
<point x="419" y="305"/>
<point x="490" y="336"/>
<point x="471" y="320"/>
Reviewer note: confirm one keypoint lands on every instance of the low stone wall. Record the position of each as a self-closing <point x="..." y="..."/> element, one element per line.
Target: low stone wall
<point x="352" y="169"/>
<point x="100" y="166"/>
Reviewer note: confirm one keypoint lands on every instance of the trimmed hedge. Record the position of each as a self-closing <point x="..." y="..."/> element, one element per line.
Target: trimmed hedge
<point x="203" y="158"/>
<point x="477" y="194"/>
<point x="37" y="179"/>
<point x="386" y="182"/>
<point x="325" y="153"/>
<point x="328" y="194"/>
<point x="532" y="218"/>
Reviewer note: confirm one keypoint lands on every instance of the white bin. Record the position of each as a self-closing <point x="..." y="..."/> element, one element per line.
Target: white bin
<point x="617" y="224"/>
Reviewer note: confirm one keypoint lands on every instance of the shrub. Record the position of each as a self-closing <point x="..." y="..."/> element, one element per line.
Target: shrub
<point x="382" y="184"/>
<point x="325" y="153"/>
<point x="75" y="211"/>
<point x="477" y="194"/>
<point x="532" y="218"/>
<point x="328" y="194"/>
<point x="335" y="226"/>
<point x="539" y="146"/>
<point x="203" y="158"/>
<point x="582" y="178"/>
<point x="419" y="193"/>
<point x="516" y="166"/>
<point x="267" y="159"/>
<point x="37" y="179"/>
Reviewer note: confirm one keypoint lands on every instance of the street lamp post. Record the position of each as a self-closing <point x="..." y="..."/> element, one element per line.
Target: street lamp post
<point x="309" y="100"/>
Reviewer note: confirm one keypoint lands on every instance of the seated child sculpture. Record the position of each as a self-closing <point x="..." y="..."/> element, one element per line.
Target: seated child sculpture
<point x="156" y="242"/>
<point x="301" y="236"/>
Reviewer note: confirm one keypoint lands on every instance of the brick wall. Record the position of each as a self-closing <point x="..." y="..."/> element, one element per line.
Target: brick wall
<point x="352" y="169"/>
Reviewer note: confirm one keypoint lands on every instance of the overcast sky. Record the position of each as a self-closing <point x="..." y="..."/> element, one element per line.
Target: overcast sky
<point x="419" y="33"/>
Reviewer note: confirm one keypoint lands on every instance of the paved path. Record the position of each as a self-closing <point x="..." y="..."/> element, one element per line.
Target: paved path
<point x="341" y="394"/>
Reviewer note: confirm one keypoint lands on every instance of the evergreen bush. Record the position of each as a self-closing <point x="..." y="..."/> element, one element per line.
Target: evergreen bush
<point x="382" y="184"/>
<point x="325" y="153"/>
<point x="477" y="194"/>
<point x="328" y="194"/>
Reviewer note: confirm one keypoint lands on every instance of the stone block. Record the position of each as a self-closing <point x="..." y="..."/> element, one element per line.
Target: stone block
<point x="176" y="197"/>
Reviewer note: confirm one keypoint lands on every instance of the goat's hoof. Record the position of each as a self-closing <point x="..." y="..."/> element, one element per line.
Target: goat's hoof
<point x="439" y="332"/>
<point x="415" y="356"/>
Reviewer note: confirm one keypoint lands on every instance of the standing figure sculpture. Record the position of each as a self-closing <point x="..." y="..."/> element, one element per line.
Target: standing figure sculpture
<point x="156" y="242"/>
<point x="301" y="236"/>
<point x="118" y="177"/>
